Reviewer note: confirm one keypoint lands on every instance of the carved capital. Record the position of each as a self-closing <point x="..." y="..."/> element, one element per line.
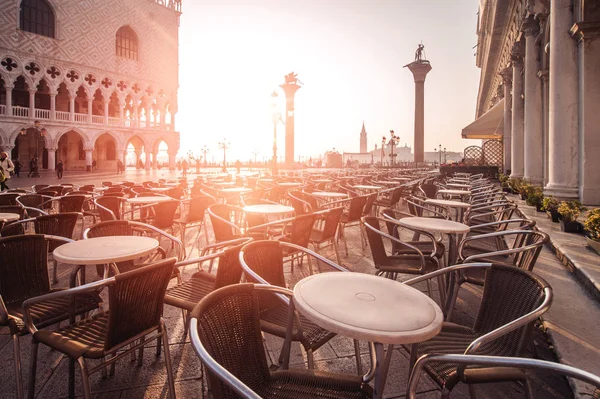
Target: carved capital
<point x="52" y="148"/>
<point x="516" y="54"/>
<point x="506" y="75"/>
<point x="90" y="149"/>
<point x="543" y="75"/>
<point x="530" y="27"/>
<point x="8" y="147"/>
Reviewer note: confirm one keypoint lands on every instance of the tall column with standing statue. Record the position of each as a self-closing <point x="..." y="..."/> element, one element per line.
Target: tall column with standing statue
<point x="290" y="87"/>
<point x="419" y="68"/>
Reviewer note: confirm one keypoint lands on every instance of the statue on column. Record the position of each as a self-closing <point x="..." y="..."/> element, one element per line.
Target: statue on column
<point x="419" y="52"/>
<point x="292" y="79"/>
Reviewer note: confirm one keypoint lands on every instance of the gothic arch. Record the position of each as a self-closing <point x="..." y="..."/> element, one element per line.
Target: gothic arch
<point x="86" y="139"/>
<point x="15" y="134"/>
<point x="111" y="134"/>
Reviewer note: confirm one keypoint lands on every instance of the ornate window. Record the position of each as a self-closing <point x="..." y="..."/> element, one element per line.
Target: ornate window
<point x="37" y="17"/>
<point x="127" y="43"/>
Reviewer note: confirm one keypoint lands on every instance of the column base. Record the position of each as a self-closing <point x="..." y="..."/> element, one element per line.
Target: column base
<point x="88" y="168"/>
<point x="515" y="176"/>
<point x="590" y="196"/>
<point x="560" y="191"/>
<point x="536" y="181"/>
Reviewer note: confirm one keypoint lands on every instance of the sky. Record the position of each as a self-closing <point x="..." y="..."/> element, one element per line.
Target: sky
<point x="349" y="55"/>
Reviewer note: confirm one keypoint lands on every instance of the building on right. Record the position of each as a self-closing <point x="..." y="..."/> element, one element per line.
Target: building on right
<point x="539" y="92"/>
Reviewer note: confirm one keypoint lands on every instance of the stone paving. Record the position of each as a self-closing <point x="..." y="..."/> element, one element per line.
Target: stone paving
<point x="567" y="321"/>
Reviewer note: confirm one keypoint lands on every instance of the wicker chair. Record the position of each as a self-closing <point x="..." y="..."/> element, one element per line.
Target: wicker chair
<point x="134" y="317"/>
<point x="512" y="300"/>
<point x="39" y="187"/>
<point x="297" y="232"/>
<point x="300" y="206"/>
<point x="67" y="203"/>
<point x="195" y="216"/>
<point x="32" y="200"/>
<point x="391" y="200"/>
<point x="226" y="334"/>
<point x="262" y="262"/>
<point x="160" y="215"/>
<point x="514" y="369"/>
<point x="408" y="258"/>
<point x="109" y="208"/>
<point x="9" y="198"/>
<point x="59" y="224"/>
<point x="24" y="274"/>
<point x="226" y="221"/>
<point x="324" y="231"/>
<point x="187" y="294"/>
<point x="351" y="215"/>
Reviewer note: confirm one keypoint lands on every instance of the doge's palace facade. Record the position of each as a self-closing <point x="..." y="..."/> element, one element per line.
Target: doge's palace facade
<point x="84" y="80"/>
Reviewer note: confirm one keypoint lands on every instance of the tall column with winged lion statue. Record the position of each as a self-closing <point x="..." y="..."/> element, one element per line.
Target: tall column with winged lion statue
<point x="291" y="85"/>
<point x="419" y="68"/>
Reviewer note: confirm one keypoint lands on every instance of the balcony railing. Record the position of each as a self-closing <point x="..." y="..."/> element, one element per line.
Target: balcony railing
<point x="63" y="116"/>
<point x="173" y="4"/>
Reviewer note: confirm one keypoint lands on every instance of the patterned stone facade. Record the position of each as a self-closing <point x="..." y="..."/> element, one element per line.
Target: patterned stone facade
<point x="81" y="65"/>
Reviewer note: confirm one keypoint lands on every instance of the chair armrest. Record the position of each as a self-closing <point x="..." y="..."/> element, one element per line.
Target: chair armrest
<point x="446" y="270"/>
<point x="488" y="235"/>
<point x="513" y="325"/>
<point x="82" y="289"/>
<point x="315" y="255"/>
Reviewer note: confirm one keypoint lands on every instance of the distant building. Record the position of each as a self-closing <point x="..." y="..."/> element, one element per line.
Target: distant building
<point x="363" y="139"/>
<point x="83" y="81"/>
<point x="538" y="91"/>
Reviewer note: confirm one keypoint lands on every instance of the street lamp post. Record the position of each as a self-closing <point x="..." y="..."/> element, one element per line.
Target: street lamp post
<point x="435" y="157"/>
<point x="445" y="155"/>
<point x="224" y="145"/>
<point x="276" y="119"/>
<point x="204" y="150"/>
<point x="440" y="154"/>
<point x="394" y="140"/>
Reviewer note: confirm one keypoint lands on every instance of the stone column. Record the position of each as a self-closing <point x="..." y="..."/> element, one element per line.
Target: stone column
<point x="148" y="164"/>
<point x="172" y="126"/>
<point x="53" y="106"/>
<point x="51" y="157"/>
<point x="8" y="148"/>
<point x="32" y="103"/>
<point x="543" y="75"/>
<point x="517" y="144"/>
<point x="136" y="116"/>
<point x="588" y="35"/>
<point x="533" y="126"/>
<point x="419" y="69"/>
<point x="155" y="160"/>
<point x="89" y="109"/>
<point x="138" y="156"/>
<point x="121" y="113"/>
<point x="507" y="133"/>
<point x="123" y="158"/>
<point x="172" y="159"/>
<point x="563" y="107"/>
<point x="89" y="153"/>
<point x="72" y="107"/>
<point x="106" y="102"/>
<point x="8" y="88"/>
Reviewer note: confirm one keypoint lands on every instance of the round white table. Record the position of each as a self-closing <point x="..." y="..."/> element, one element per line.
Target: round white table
<point x="458" y="205"/>
<point x="9" y="217"/>
<point x="455" y="192"/>
<point x="160" y="189"/>
<point x="458" y="185"/>
<point x="329" y="194"/>
<point x="365" y="187"/>
<point x="322" y="181"/>
<point x="268" y="209"/>
<point x="441" y="226"/>
<point x="105" y="250"/>
<point x="369" y="308"/>
<point x="235" y="190"/>
<point x="147" y="200"/>
<point x="289" y="184"/>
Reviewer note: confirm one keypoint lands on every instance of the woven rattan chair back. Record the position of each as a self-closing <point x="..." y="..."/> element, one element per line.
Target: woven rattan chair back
<point x="375" y="241"/>
<point x="9" y="198"/>
<point x="299" y="230"/>
<point x="527" y="259"/>
<point x="396" y="195"/>
<point x="229" y="329"/>
<point x="219" y="215"/>
<point x="306" y="197"/>
<point x="265" y="258"/>
<point x="31" y="200"/>
<point x="18" y="209"/>
<point x="300" y="207"/>
<point x="165" y="213"/>
<point x="59" y="224"/>
<point x="332" y="220"/>
<point x="229" y="270"/>
<point x="23" y="267"/>
<point x="136" y="301"/>
<point x="508" y="294"/>
<point x="429" y="189"/>
<point x="71" y="203"/>
<point x="112" y="203"/>
<point x="355" y="210"/>
<point x="39" y="187"/>
<point x="197" y="208"/>
<point x="175" y="192"/>
<point x="368" y="208"/>
<point x="110" y="228"/>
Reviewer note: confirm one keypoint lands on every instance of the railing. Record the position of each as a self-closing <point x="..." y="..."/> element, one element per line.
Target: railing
<point x="2" y="109"/>
<point x="114" y="121"/>
<point x="62" y="116"/>
<point x="20" y="111"/>
<point x="81" y="117"/>
<point x="98" y="119"/>
<point x="173" y="4"/>
<point x="42" y="113"/>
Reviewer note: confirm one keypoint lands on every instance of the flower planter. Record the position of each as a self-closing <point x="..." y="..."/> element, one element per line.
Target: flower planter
<point x="554" y="215"/>
<point x="571" y="226"/>
<point x="507" y="190"/>
<point x="595" y="245"/>
<point x="539" y="208"/>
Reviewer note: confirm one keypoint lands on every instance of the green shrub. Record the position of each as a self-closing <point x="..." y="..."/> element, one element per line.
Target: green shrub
<point x="535" y="196"/>
<point x="570" y="210"/>
<point x="550" y="204"/>
<point x="592" y="224"/>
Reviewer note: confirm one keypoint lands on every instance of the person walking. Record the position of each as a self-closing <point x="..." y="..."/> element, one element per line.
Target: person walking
<point x="32" y="166"/>
<point x="184" y="167"/>
<point x="59" y="169"/>
<point x="120" y="167"/>
<point x="6" y="166"/>
<point x="18" y="167"/>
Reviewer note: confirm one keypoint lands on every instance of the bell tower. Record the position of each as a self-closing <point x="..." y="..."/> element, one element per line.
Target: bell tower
<point x="363" y="139"/>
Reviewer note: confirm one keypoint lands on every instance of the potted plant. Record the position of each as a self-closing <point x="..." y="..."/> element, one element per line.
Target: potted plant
<point x="550" y="205"/>
<point x="569" y="212"/>
<point x="524" y="189"/>
<point x="592" y="227"/>
<point x="515" y="184"/>
<point x="504" y="183"/>
<point x="535" y="197"/>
